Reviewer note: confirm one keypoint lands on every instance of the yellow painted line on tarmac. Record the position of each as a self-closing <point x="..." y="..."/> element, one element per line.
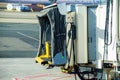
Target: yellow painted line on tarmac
<point x="18" y="20"/>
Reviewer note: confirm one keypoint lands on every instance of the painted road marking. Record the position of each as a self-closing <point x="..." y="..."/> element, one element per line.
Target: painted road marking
<point x="60" y="77"/>
<point x="5" y="20"/>
<point x="27" y="36"/>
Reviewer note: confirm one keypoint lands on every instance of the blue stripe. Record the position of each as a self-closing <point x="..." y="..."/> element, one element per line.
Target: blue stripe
<point x="58" y="1"/>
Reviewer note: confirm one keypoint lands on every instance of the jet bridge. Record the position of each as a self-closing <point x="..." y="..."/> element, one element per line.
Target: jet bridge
<point x="82" y="36"/>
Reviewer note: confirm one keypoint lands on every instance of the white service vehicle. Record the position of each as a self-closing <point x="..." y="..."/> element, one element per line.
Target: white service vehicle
<point x="18" y="7"/>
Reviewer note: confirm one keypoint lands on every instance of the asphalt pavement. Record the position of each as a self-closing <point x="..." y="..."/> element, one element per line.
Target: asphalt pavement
<point x="18" y="34"/>
<point x="27" y="69"/>
<point x="19" y="39"/>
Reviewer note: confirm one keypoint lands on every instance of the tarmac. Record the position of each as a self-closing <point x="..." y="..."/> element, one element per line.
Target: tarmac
<point x="27" y="69"/>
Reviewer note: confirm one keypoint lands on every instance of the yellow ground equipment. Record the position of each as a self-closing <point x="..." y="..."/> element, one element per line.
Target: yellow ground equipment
<point x="46" y="55"/>
<point x="52" y="37"/>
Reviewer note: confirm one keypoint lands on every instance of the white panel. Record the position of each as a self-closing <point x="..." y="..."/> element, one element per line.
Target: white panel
<point x="112" y="48"/>
<point x="101" y="18"/>
<point x="81" y="41"/>
<point x="101" y="15"/>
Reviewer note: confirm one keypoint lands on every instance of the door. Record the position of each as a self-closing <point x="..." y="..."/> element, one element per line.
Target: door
<point x="91" y="34"/>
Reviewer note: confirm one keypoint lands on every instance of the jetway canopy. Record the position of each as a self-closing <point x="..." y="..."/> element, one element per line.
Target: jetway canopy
<point x="52" y="30"/>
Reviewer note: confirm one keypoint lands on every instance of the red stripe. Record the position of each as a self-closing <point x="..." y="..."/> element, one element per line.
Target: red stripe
<point x="43" y="75"/>
<point x="32" y="77"/>
<point x="16" y="78"/>
<point x="60" y="78"/>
